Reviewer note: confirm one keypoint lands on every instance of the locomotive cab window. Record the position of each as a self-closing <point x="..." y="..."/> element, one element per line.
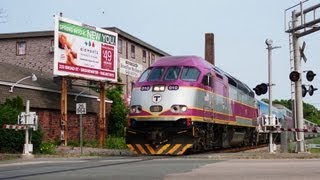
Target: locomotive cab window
<point x="156" y="74"/>
<point x="207" y="80"/>
<point x="172" y="73"/>
<point x="145" y="75"/>
<point x="190" y="74"/>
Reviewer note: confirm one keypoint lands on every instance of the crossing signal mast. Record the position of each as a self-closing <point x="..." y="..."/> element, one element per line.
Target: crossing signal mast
<point x="303" y="22"/>
<point x="263" y="89"/>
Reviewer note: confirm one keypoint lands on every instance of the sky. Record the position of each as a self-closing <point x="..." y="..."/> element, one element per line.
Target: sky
<point x="178" y="27"/>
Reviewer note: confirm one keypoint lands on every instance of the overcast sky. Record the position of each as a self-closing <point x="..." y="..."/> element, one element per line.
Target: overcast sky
<point x="178" y="27"/>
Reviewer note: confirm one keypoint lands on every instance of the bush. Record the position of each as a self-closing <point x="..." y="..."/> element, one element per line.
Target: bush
<point x="118" y="115"/>
<point x="47" y="148"/>
<point x="92" y="143"/>
<point x="116" y="143"/>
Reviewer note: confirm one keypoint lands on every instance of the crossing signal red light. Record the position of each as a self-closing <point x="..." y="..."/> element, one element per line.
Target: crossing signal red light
<point x="294" y="76"/>
<point x="310" y="75"/>
<point x="261" y="89"/>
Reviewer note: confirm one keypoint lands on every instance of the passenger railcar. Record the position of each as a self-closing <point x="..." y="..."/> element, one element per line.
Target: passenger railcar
<point x="285" y="121"/>
<point x="184" y="103"/>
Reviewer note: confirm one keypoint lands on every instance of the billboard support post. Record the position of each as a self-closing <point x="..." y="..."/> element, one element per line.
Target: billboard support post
<point x="64" y="110"/>
<point x="102" y="117"/>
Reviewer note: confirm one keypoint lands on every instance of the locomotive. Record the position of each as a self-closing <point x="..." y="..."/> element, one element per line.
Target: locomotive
<point x="184" y="103"/>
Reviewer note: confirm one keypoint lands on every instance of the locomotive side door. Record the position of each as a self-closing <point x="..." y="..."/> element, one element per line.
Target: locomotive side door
<point x="207" y="82"/>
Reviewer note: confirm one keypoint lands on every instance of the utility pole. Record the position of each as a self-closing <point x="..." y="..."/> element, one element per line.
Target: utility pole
<point x="270" y="48"/>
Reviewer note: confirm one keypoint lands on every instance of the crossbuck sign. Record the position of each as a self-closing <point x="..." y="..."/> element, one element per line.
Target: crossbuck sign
<point x="81" y="108"/>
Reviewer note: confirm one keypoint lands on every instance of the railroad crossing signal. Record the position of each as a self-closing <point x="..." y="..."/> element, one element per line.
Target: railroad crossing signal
<point x="310" y="90"/>
<point x="310" y="75"/>
<point x="261" y="89"/>
<point x="294" y="76"/>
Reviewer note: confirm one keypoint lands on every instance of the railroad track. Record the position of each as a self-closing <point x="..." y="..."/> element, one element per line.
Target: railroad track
<point x="233" y="149"/>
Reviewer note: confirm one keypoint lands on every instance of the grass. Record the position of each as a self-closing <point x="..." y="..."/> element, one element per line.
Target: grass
<point x="116" y="143"/>
<point x="292" y="145"/>
<point x="314" y="141"/>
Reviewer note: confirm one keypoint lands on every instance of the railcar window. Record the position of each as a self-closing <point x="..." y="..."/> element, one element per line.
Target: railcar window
<point x="144" y="75"/>
<point x="156" y="74"/>
<point x="190" y="74"/>
<point x="172" y="73"/>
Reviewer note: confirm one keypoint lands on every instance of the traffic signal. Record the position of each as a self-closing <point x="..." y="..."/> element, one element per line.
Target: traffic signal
<point x="310" y="75"/>
<point x="261" y="89"/>
<point x="294" y="76"/>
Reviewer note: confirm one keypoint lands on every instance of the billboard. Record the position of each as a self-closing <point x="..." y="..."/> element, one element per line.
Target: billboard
<point x="84" y="51"/>
<point x="130" y="68"/>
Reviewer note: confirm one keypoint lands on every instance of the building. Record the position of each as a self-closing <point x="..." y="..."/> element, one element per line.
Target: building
<point x="23" y="54"/>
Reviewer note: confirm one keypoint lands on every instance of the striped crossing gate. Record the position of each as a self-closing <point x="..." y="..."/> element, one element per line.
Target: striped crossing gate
<point x="299" y="130"/>
<point x="14" y="126"/>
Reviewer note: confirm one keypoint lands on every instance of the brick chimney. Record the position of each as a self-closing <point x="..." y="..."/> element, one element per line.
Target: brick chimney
<point x="209" y="48"/>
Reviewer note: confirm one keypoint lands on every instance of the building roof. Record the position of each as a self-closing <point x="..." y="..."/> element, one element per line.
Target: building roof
<point x="51" y="33"/>
<point x="43" y="93"/>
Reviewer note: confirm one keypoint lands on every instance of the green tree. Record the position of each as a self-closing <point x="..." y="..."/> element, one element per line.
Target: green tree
<point x="118" y="115"/>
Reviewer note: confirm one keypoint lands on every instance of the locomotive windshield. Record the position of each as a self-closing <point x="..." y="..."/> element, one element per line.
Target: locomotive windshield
<point x="171" y="74"/>
<point x="190" y="74"/>
<point x="156" y="74"/>
<point x="145" y="75"/>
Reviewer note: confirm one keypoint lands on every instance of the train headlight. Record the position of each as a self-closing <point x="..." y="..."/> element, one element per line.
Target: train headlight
<point x="183" y="108"/>
<point x="178" y="108"/>
<point x="135" y="109"/>
<point x="158" y="88"/>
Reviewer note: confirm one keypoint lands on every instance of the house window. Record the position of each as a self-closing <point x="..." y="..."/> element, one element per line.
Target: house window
<point x="120" y="46"/>
<point x="21" y="48"/>
<point x="133" y="54"/>
<point x="144" y="56"/>
<point x="152" y="58"/>
<point x="51" y="48"/>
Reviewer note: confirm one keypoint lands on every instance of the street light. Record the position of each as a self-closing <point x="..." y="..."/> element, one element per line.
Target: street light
<point x="33" y="78"/>
<point x="76" y="98"/>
